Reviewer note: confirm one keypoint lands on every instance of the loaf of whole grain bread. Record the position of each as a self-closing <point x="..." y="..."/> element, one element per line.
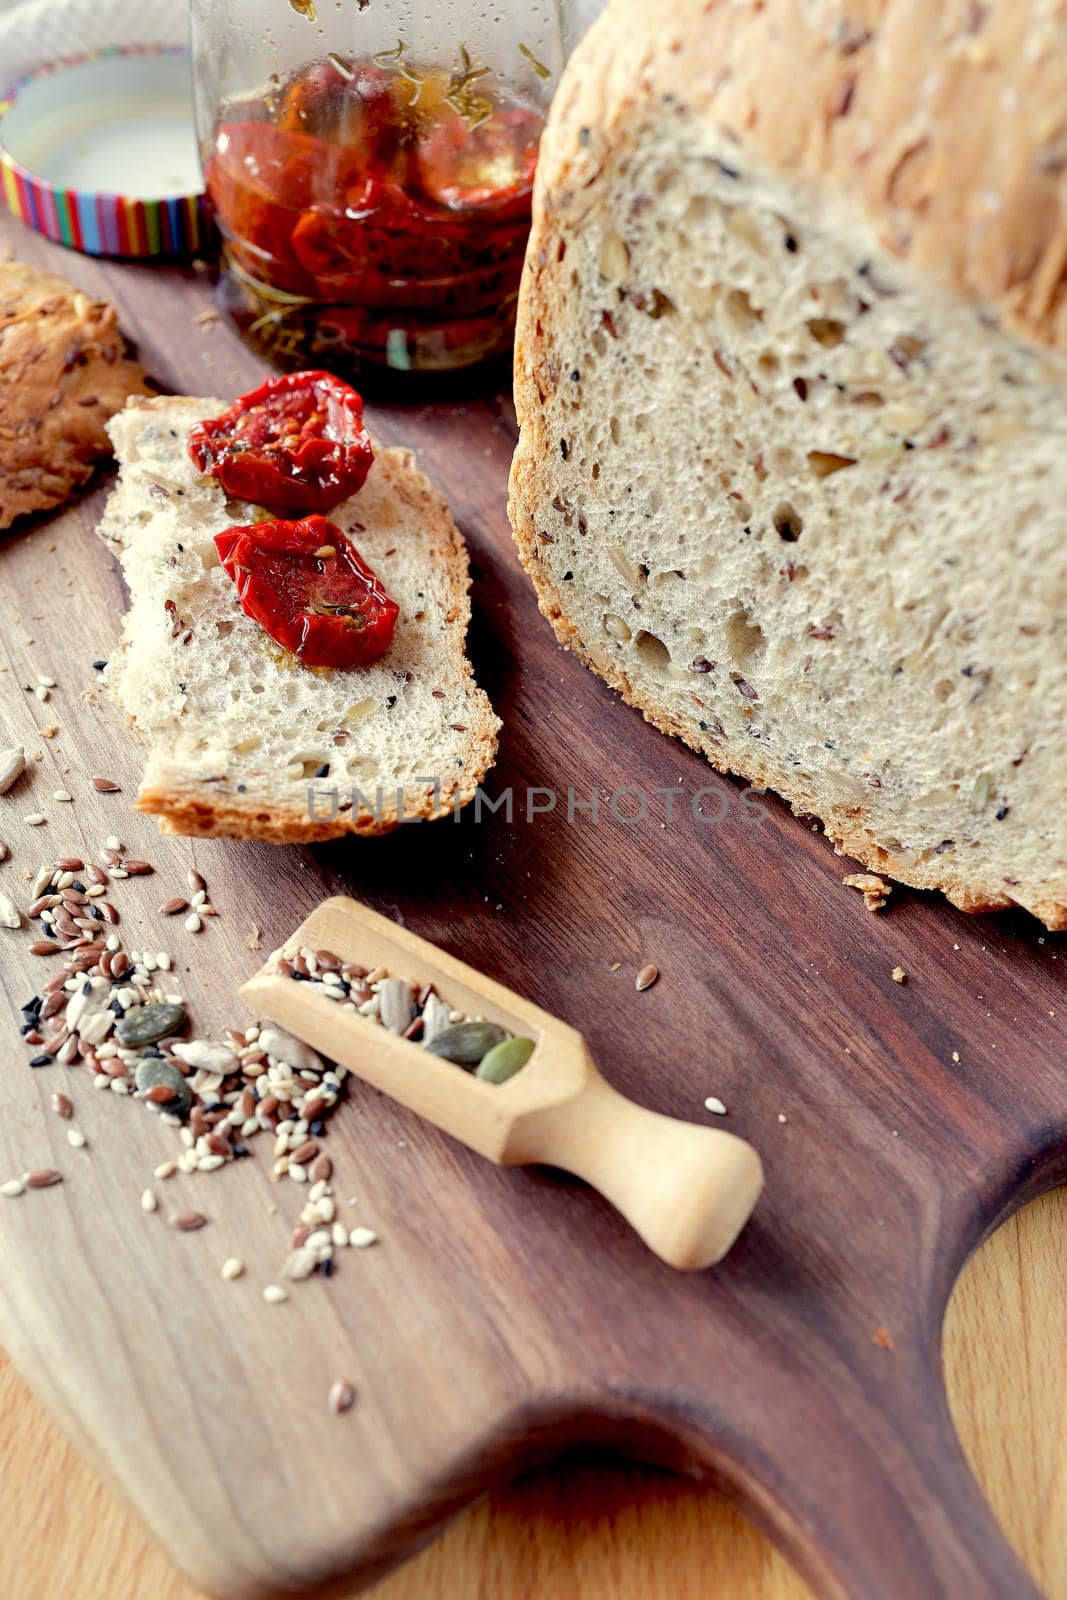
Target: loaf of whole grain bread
<point x="791" y="378"/>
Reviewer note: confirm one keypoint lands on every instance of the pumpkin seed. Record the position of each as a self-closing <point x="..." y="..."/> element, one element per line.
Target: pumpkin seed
<point x="504" y="1060"/>
<point x="465" y="1043"/>
<point x="146" y="1024"/>
<point x="154" y="1072"/>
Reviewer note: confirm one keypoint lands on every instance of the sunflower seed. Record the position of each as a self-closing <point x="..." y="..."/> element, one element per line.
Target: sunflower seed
<point x="395" y="998"/>
<point x="11" y="767"/>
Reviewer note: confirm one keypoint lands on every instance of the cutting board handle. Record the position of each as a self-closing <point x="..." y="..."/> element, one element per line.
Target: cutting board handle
<point x="687" y="1190"/>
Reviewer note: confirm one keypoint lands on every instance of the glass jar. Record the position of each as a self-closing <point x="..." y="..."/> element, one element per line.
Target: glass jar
<point x="370" y="163"/>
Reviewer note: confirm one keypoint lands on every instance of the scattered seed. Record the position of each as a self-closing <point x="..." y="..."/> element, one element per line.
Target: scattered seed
<point x="166" y="1169"/>
<point x="362" y="1238"/>
<point x="105" y="786"/>
<point x="646" y="978"/>
<point x="61" y="1105"/>
<point x="43" y="947"/>
<point x="149" y="1201"/>
<point x="62" y="794"/>
<point x="169" y="908"/>
<point x="190" y="1221"/>
<point x="715" y="1105"/>
<point x="10" y="915"/>
<point x="274" y="1295"/>
<point x="36" y="819"/>
<point x="76" y="1138"/>
<point x="196" y="882"/>
<point x="12" y="1188"/>
<point x="342" y="1397"/>
<point x="193" y="924"/>
<point x="43" y="1178"/>
<point x="12" y="766"/>
<point x="233" y="1268"/>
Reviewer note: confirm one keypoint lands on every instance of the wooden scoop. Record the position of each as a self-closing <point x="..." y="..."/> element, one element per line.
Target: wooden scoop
<point x="687" y="1190"/>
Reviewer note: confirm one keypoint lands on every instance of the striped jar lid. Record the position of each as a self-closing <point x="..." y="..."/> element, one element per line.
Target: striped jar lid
<point x="98" y="152"/>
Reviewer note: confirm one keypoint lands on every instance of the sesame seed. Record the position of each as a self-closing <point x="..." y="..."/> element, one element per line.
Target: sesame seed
<point x="76" y="1138"/>
<point x="36" y="819"/>
<point x="714" y="1104"/>
<point x="61" y="794"/>
<point x="12" y="1188"/>
<point x="193" y="924"/>
<point x="274" y="1295"/>
<point x="362" y="1238"/>
<point x="233" y="1268"/>
<point x="149" y="1201"/>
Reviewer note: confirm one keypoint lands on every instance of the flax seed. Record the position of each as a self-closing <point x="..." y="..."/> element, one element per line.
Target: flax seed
<point x="646" y="978"/>
<point x="43" y="1178"/>
<point x="105" y="786"/>
<point x="342" y="1397"/>
<point x="61" y="1105"/>
<point x="190" y="1221"/>
<point x="43" y="947"/>
<point x="322" y="1169"/>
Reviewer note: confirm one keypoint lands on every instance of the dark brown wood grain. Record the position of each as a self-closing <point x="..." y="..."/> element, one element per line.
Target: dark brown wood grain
<point x="507" y="1314"/>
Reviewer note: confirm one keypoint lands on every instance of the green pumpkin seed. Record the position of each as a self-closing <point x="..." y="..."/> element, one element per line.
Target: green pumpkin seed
<point x="466" y="1043"/>
<point x="504" y="1060"/>
<point x="146" y="1024"/>
<point x="154" y="1070"/>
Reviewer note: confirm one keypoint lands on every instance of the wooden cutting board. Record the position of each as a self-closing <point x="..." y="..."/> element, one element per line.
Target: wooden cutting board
<point x="507" y="1314"/>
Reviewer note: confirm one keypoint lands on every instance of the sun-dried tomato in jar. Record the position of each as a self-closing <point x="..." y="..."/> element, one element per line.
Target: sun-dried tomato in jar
<point x="378" y="211"/>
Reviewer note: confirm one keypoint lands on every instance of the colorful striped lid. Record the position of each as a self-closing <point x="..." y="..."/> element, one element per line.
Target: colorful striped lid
<point x="99" y="152"/>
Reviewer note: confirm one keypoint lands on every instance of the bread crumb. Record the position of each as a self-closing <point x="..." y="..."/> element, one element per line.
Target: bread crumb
<point x="875" y="890"/>
<point x="899" y="975"/>
<point x="883" y="1338"/>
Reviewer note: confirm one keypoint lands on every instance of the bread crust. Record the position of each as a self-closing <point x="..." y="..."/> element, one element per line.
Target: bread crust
<point x="946" y="125"/>
<point x="923" y="179"/>
<point x="199" y="809"/>
<point x="63" y="372"/>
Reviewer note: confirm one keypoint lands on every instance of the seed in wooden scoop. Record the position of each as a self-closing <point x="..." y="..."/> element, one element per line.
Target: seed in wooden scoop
<point x="153" y="1073"/>
<point x="465" y="1043"/>
<point x="395" y="998"/>
<point x="146" y="1024"/>
<point x="504" y="1060"/>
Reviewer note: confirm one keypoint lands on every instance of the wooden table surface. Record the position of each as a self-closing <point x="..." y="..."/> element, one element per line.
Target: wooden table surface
<point x="597" y="1531"/>
<point x="586" y="1530"/>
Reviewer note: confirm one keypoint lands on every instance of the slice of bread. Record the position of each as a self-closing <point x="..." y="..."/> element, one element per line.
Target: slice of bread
<point x="792" y="475"/>
<point x="64" y="369"/>
<point x="244" y="741"/>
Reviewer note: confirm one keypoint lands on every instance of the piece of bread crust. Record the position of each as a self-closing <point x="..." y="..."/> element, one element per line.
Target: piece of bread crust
<point x="64" y="371"/>
<point x="229" y="715"/>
